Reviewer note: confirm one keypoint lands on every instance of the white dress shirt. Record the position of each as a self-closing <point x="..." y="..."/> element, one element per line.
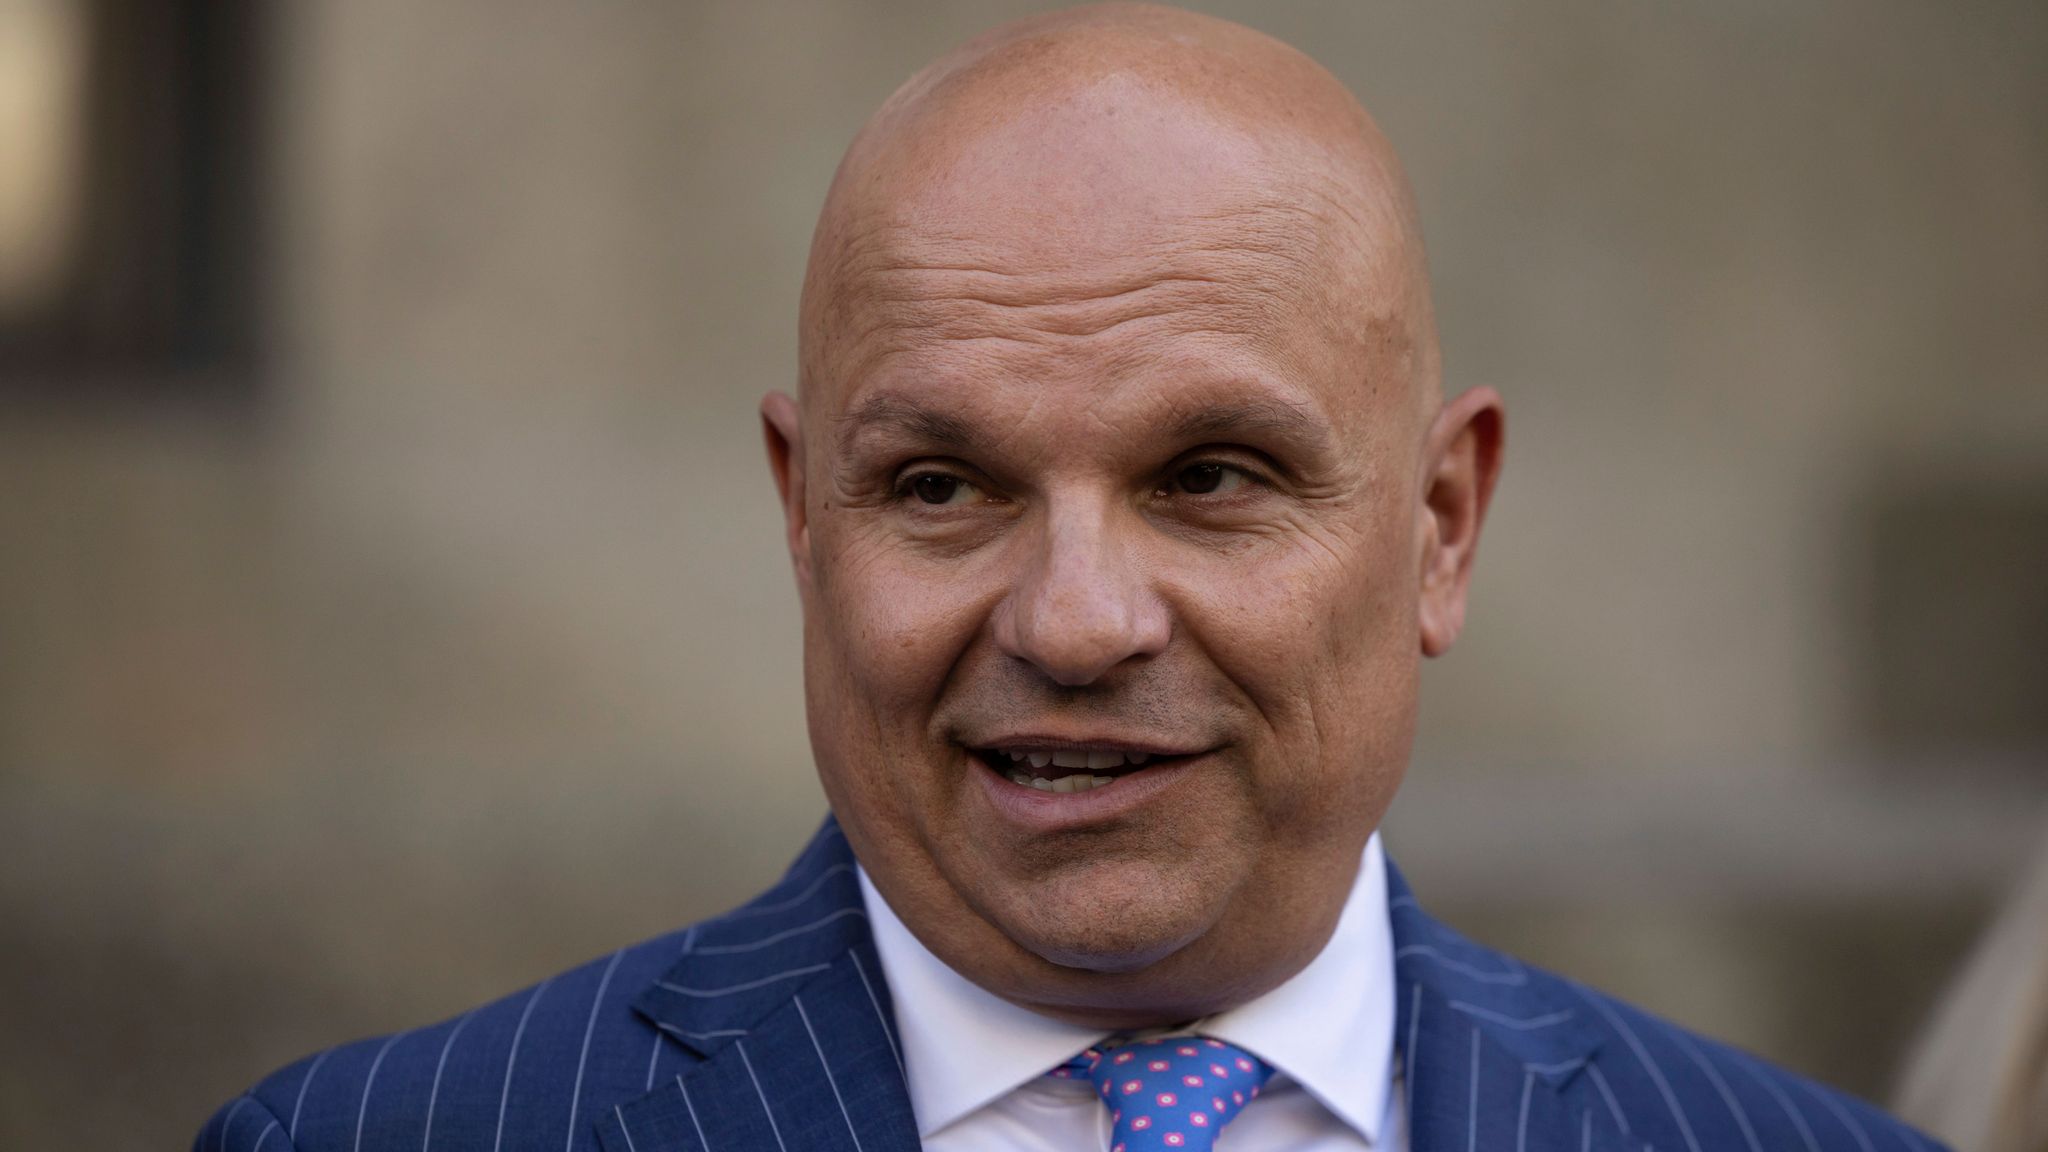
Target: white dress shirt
<point x="977" y="1064"/>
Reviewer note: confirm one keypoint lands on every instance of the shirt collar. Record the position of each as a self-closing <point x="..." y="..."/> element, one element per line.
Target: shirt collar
<point x="1329" y="1027"/>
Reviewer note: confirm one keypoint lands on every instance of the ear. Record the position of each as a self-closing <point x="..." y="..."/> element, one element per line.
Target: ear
<point x="782" y="427"/>
<point x="1461" y="460"/>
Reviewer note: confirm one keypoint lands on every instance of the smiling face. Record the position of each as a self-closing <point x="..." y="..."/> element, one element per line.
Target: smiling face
<point x="1123" y="509"/>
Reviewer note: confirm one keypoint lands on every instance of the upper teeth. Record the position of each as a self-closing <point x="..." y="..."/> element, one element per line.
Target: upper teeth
<point x="1094" y="760"/>
<point x="1090" y="760"/>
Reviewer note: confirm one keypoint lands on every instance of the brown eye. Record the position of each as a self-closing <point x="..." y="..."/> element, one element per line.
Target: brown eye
<point x="1201" y="479"/>
<point x="936" y="487"/>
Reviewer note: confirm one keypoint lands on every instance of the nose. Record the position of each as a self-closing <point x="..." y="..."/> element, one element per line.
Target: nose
<point x="1081" y="604"/>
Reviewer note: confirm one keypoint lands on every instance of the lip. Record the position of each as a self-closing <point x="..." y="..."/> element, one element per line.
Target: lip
<point x="1036" y="812"/>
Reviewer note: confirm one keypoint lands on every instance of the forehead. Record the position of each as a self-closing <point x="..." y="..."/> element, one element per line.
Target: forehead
<point x="1122" y="345"/>
<point x="1101" y="239"/>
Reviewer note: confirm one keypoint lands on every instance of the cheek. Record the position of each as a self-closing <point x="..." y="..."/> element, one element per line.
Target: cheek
<point x="1320" y="633"/>
<point x="1317" y="601"/>
<point x="890" y="623"/>
<point x="881" y="633"/>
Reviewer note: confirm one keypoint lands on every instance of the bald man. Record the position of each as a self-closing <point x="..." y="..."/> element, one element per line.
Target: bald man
<point x="1123" y="502"/>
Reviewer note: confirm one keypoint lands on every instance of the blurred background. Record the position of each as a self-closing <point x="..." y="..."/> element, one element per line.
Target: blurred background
<point x="392" y="606"/>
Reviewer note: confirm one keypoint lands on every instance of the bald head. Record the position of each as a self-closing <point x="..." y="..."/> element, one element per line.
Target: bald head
<point x="1077" y="144"/>
<point x="1120" y="433"/>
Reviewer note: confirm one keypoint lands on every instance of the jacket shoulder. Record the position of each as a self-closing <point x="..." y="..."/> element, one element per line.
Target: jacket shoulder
<point x="1672" y="1088"/>
<point x="529" y="1070"/>
<point x="1642" y="1080"/>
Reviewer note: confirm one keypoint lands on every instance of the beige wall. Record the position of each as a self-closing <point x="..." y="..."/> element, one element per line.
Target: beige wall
<point x="472" y="653"/>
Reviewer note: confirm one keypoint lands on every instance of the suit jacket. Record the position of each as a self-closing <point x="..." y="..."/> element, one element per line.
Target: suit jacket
<point x="770" y="1028"/>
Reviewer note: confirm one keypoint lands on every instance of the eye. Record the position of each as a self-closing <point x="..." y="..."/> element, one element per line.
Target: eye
<point x="940" y="488"/>
<point x="1208" y="478"/>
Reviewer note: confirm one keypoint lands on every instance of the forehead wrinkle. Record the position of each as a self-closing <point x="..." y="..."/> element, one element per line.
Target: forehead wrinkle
<point x="972" y="312"/>
<point x="1301" y="228"/>
<point x="1239" y="280"/>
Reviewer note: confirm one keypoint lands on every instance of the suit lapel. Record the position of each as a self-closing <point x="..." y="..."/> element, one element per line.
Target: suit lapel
<point x="1494" y="1055"/>
<point x="784" y="1001"/>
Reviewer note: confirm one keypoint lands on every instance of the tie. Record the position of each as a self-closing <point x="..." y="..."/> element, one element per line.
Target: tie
<point x="1174" y="1092"/>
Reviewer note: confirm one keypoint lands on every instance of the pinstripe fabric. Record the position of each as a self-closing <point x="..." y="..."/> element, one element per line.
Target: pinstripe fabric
<point x="769" y="1028"/>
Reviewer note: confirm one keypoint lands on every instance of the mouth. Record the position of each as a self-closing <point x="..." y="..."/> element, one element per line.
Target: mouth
<point x="1065" y="767"/>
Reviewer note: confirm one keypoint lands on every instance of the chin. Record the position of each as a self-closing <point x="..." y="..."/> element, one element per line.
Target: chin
<point x="1107" y="955"/>
<point x="1109" y="924"/>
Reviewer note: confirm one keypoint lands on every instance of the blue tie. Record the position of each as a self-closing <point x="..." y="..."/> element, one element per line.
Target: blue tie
<point x="1175" y="1092"/>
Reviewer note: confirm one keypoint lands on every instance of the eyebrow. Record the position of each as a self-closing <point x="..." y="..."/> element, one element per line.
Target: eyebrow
<point x="1253" y="419"/>
<point x="895" y="414"/>
<point x="1234" y="419"/>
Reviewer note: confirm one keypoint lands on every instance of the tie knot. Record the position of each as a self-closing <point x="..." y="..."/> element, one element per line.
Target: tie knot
<point x="1177" y="1092"/>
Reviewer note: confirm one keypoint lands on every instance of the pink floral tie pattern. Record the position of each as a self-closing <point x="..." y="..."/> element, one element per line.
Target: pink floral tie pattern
<point x="1172" y="1093"/>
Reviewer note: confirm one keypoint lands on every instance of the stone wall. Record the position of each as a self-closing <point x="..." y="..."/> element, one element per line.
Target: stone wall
<point x="466" y="648"/>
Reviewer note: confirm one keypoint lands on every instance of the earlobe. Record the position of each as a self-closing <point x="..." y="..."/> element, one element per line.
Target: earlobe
<point x="1462" y="461"/>
<point x="782" y="429"/>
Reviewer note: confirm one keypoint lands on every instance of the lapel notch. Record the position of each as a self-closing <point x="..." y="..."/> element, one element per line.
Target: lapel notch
<point x="737" y="969"/>
<point x="783" y="1001"/>
<point x="1492" y="1050"/>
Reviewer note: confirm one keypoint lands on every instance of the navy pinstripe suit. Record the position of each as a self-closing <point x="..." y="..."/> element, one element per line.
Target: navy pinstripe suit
<point x="770" y="1028"/>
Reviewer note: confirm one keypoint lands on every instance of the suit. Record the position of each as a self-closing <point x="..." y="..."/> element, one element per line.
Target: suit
<point x="770" y="1027"/>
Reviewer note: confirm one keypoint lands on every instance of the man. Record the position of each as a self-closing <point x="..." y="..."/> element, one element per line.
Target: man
<point x="1123" y="503"/>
